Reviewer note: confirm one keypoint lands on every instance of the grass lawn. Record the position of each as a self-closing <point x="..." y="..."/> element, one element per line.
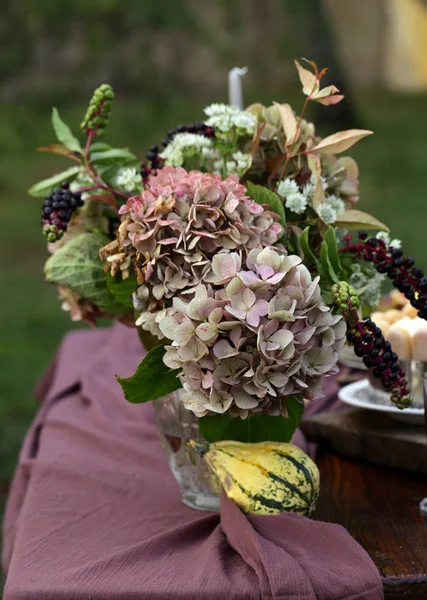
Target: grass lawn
<point x="393" y="177"/>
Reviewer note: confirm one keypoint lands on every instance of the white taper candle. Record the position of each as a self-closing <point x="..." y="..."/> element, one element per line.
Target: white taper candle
<point x="235" y="95"/>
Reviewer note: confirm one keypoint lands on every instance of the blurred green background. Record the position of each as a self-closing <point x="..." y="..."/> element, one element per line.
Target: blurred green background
<point x="167" y="59"/>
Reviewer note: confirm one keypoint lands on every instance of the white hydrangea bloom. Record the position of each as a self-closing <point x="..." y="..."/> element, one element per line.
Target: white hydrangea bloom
<point x="327" y="213"/>
<point x="287" y="187"/>
<point x="336" y="203"/>
<point x="182" y="145"/>
<point x="225" y="117"/>
<point x="296" y="202"/>
<point x="128" y="179"/>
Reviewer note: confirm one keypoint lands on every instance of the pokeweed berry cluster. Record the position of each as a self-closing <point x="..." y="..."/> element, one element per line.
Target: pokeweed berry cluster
<point x="370" y="345"/>
<point x="155" y="162"/>
<point x="406" y="277"/>
<point x="57" y="210"/>
<point x="345" y="296"/>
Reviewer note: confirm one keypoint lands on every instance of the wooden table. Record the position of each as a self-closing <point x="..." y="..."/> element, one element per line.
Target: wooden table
<point x="380" y="508"/>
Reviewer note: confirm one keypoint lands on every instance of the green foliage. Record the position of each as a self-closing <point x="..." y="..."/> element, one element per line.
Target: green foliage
<point x="151" y="380"/>
<point x="122" y="289"/>
<point x="113" y="154"/>
<point x="63" y="133"/>
<point x="325" y="267"/>
<point x="262" y="195"/>
<point x="305" y="247"/>
<point x="256" y="428"/>
<point x="44" y="187"/>
<point x="333" y="256"/>
<point x="77" y="266"/>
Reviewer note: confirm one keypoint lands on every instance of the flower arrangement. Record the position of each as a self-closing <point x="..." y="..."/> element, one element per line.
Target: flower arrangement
<point x="231" y="249"/>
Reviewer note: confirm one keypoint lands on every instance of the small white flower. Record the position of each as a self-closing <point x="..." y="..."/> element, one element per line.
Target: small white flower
<point x="296" y="202"/>
<point x="128" y="179"/>
<point x="336" y="203"/>
<point x="340" y="232"/>
<point x="308" y="191"/>
<point x="323" y="180"/>
<point x="385" y="236"/>
<point x="287" y="187"/>
<point x="327" y="213"/>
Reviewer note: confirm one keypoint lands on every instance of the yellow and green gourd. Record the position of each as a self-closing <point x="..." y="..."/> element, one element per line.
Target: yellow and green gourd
<point x="267" y="477"/>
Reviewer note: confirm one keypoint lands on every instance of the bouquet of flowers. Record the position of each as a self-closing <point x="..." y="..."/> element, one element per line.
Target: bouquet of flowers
<point x="233" y="251"/>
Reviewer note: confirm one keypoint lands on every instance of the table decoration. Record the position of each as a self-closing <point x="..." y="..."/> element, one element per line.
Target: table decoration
<point x="231" y="250"/>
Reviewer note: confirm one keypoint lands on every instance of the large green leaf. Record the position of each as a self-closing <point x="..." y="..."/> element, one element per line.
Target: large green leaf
<point x="257" y="428"/>
<point x="64" y="133"/>
<point x="334" y="259"/>
<point x="77" y="266"/>
<point x="305" y="247"/>
<point x="151" y="380"/>
<point x="122" y="154"/>
<point x="327" y="269"/>
<point x="262" y="195"/>
<point x="122" y="289"/>
<point x="44" y="187"/>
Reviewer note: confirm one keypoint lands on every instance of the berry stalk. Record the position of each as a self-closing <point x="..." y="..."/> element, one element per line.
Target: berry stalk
<point x="406" y="277"/>
<point x="370" y="345"/>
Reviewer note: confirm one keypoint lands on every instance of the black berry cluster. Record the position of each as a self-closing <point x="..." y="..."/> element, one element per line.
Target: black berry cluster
<point x="57" y="209"/>
<point x="406" y="277"/>
<point x="154" y="162"/>
<point x="370" y="345"/>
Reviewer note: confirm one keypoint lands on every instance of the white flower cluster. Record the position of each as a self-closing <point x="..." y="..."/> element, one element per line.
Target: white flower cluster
<point x="367" y="277"/>
<point x="82" y="180"/>
<point x="297" y="200"/>
<point x="184" y="145"/>
<point x="225" y="118"/>
<point x="383" y="235"/>
<point x="128" y="179"/>
<point x="237" y="164"/>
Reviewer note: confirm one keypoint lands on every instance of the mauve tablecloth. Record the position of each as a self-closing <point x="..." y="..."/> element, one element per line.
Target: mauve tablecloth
<point x="94" y="511"/>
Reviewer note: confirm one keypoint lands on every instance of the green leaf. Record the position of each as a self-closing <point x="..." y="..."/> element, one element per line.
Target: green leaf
<point x="151" y="380"/>
<point x="262" y="195"/>
<point x="77" y="266"/>
<point x="256" y="428"/>
<point x="305" y="246"/>
<point x="122" y="289"/>
<point x="122" y="154"/>
<point x="63" y="133"/>
<point x="334" y="258"/>
<point x="99" y="146"/>
<point x="327" y="268"/>
<point x="356" y="219"/>
<point x="42" y="188"/>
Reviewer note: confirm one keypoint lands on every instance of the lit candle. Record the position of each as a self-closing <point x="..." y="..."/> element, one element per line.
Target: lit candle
<point x="235" y="95"/>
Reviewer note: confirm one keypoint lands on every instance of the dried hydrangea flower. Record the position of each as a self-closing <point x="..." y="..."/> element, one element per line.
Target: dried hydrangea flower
<point x="266" y="335"/>
<point x="173" y="230"/>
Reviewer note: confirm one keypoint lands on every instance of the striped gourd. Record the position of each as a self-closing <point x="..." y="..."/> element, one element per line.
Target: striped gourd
<point x="265" y="478"/>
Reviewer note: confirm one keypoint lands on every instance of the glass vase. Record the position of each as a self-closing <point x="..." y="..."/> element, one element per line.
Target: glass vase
<point x="177" y="426"/>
